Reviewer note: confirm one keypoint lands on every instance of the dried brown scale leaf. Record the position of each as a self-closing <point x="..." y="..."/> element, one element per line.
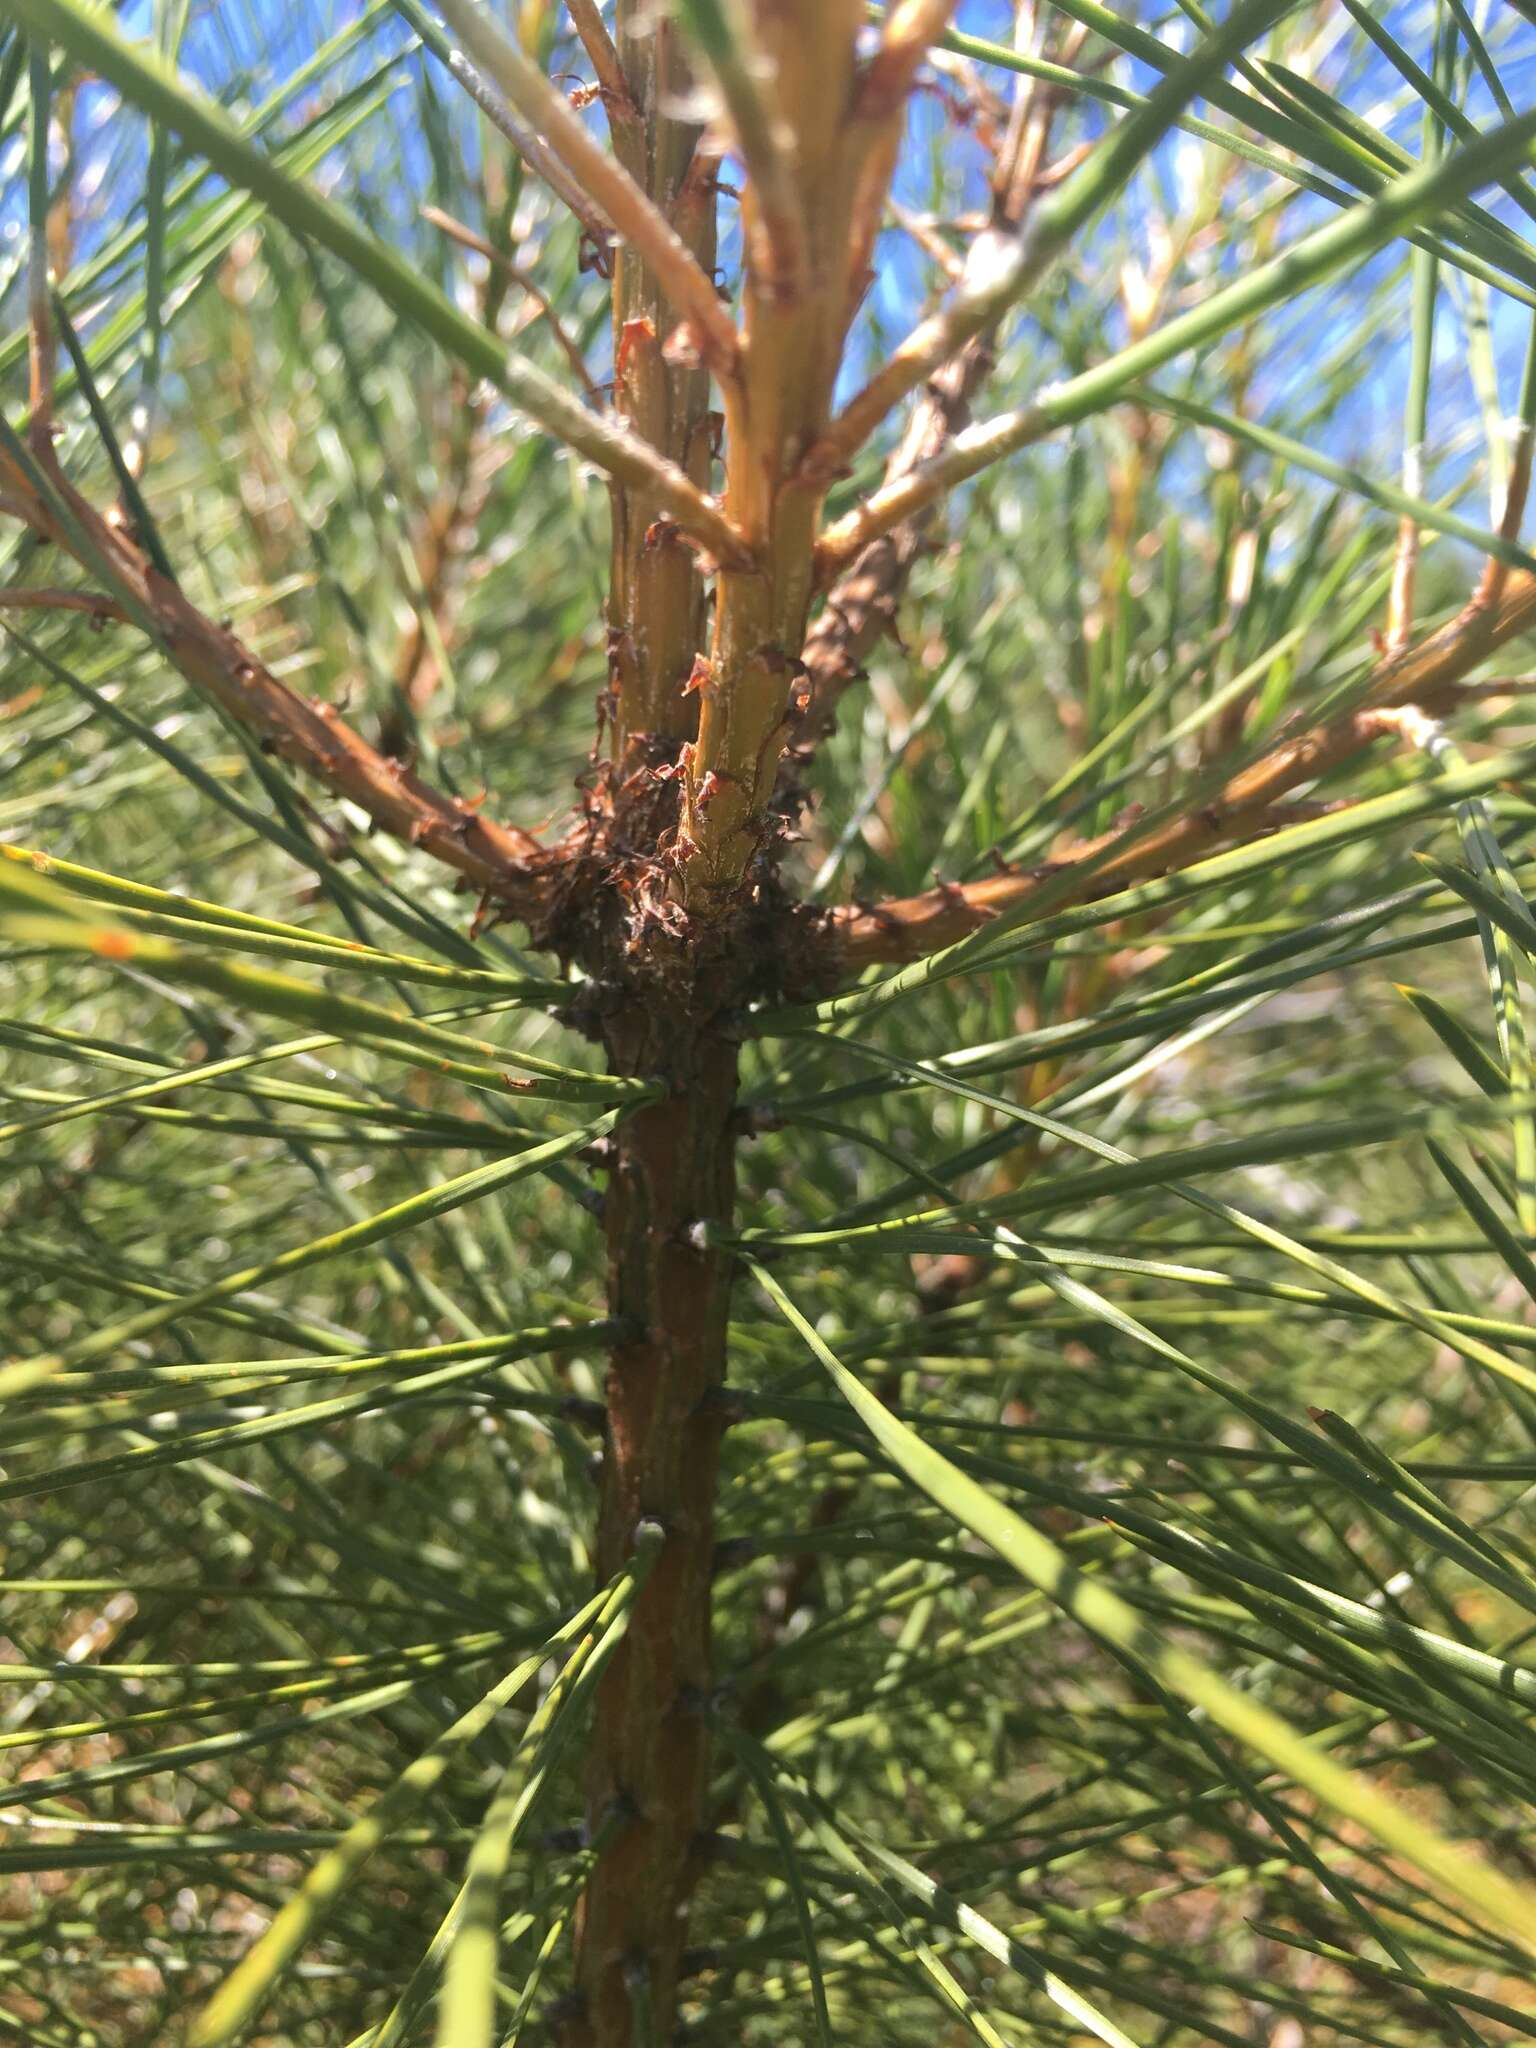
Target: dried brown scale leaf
<point x="616" y="910"/>
<point x="604" y="59"/>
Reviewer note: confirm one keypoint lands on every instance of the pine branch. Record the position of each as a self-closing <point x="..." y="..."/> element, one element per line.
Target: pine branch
<point x="790" y="355"/>
<point x="1427" y="677"/>
<point x="1407" y="202"/>
<point x="499" y="860"/>
<point x="775" y="217"/>
<point x="604" y="59"/>
<point x="91" y="602"/>
<point x="1004" y="264"/>
<point x="860" y="610"/>
<point x="879" y="122"/>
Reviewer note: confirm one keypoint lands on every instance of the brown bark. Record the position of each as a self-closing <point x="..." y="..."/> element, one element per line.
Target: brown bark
<point x="656" y="591"/>
<point x="861" y="607"/>
<point x="673" y="1166"/>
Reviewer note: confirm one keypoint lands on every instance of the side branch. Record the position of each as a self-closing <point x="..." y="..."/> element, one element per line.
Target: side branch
<point x="860" y="609"/>
<point x="911" y="927"/>
<point x="1005" y="263"/>
<point x="91" y="602"/>
<point x="862" y="605"/>
<point x="498" y="860"/>
<point x="877" y="123"/>
<point x="1398" y="207"/>
<point x="535" y="153"/>
<point x="727" y="37"/>
<point x="626" y="458"/>
<point x="520" y="275"/>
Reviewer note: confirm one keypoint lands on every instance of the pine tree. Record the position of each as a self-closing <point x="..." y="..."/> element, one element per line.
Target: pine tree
<point x="677" y="1567"/>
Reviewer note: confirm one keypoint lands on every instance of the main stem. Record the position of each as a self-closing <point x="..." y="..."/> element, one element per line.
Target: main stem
<point x="649" y="1762"/>
<point x="720" y="721"/>
<point x="672" y="1164"/>
<point x="656" y="594"/>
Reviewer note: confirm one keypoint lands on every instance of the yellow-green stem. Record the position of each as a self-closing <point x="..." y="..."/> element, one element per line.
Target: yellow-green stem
<point x="790" y="349"/>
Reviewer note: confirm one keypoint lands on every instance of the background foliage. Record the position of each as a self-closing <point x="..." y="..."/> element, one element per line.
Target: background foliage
<point x="287" y="1503"/>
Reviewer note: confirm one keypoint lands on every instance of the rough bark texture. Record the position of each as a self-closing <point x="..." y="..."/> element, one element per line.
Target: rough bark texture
<point x="673" y="1165"/>
<point x="656" y="593"/>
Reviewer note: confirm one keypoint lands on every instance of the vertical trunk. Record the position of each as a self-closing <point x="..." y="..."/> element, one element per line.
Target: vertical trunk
<point x="674" y="1165"/>
<point x="656" y="596"/>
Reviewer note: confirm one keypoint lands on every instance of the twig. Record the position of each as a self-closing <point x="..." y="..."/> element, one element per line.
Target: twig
<point x="524" y="279"/>
<point x="1405" y="564"/>
<point x="623" y="455"/>
<point x="88" y="601"/>
<point x="1517" y="490"/>
<point x="39" y="309"/>
<point x="1425" y="678"/>
<point x="537" y="155"/>
<point x="437" y="546"/>
<point x="1003" y="266"/>
<point x="927" y="237"/>
<point x="1498" y="686"/>
<point x="861" y="608"/>
<point x="909" y="27"/>
<point x="1352" y="235"/>
<point x="1058" y="173"/>
<point x="776" y="410"/>
<point x="541" y="160"/>
<point x="879" y="121"/>
<point x="94" y="42"/>
<point x="499" y="860"/>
